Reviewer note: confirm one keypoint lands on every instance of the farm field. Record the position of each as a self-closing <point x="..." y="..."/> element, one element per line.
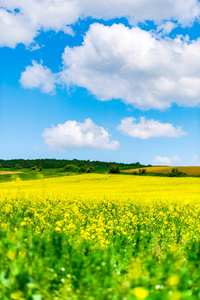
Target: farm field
<point x="162" y="169"/>
<point x="100" y="236"/>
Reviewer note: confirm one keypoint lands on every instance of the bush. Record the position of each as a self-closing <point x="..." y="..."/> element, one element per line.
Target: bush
<point x="174" y="170"/>
<point x="34" y="168"/>
<point x="114" y="169"/>
<point x="83" y="169"/>
<point x="142" y="171"/>
<point x="17" y="166"/>
<point x="70" y="168"/>
<point x="176" y="173"/>
<point x="90" y="169"/>
<point x="40" y="168"/>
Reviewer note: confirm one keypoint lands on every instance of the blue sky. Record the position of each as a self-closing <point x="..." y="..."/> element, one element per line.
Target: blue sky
<point x="113" y="81"/>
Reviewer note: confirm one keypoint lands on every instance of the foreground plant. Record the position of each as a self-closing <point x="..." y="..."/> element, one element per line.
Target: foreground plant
<point x="100" y="237"/>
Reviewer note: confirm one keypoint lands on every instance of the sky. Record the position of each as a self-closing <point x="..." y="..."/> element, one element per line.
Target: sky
<point x="107" y="80"/>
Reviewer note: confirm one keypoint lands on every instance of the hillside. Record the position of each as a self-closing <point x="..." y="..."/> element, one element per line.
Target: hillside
<point x="189" y="170"/>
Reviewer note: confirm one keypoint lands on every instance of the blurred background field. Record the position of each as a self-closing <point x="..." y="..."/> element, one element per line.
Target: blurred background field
<point x="193" y="170"/>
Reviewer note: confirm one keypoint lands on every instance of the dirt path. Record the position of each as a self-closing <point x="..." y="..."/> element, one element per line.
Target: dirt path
<point x="8" y="172"/>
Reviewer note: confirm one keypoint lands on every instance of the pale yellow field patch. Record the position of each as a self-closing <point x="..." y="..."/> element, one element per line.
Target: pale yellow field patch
<point x="8" y="172"/>
<point x="188" y="170"/>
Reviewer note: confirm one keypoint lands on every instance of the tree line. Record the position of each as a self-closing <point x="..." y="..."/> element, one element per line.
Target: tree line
<point x="51" y="163"/>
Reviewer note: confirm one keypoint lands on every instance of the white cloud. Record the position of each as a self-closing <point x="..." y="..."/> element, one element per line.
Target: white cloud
<point x="76" y="135"/>
<point x="35" y="15"/>
<point x="32" y="17"/>
<point x="166" y="27"/>
<point x="132" y="65"/>
<point x="185" y="11"/>
<point x="38" y="76"/>
<point x="14" y="29"/>
<point x="145" y="129"/>
<point x="196" y="158"/>
<point x="166" y="161"/>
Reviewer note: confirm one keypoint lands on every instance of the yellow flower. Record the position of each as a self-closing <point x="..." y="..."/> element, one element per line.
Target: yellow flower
<point x="57" y="229"/>
<point x="173" y="280"/>
<point x="18" y="295"/>
<point x="140" y="293"/>
<point x="11" y="254"/>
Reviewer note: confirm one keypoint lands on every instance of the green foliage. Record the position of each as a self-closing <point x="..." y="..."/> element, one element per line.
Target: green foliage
<point x="61" y="163"/>
<point x="90" y="169"/>
<point x="142" y="171"/>
<point x="176" y="173"/>
<point x="82" y="169"/>
<point x="70" y="168"/>
<point x="33" y="168"/>
<point x="114" y="169"/>
<point x="40" y="168"/>
<point x="17" y="166"/>
<point x="0" y="166"/>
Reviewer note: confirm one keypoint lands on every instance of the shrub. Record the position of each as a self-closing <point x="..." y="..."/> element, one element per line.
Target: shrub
<point x="17" y="166"/>
<point x="83" y="169"/>
<point x="114" y="169"/>
<point x="90" y="169"/>
<point x="40" y="168"/>
<point x="70" y="168"/>
<point x="174" y="170"/>
<point x="34" y="168"/>
<point x="176" y="173"/>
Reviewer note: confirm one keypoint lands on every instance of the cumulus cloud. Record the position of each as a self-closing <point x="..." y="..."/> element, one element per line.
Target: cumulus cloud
<point x="166" y="161"/>
<point x="185" y="11"/>
<point x="15" y="29"/>
<point x="76" y="135"/>
<point x="132" y="65"/>
<point x="115" y="62"/>
<point x="34" y="15"/>
<point x="38" y="76"/>
<point x="145" y="129"/>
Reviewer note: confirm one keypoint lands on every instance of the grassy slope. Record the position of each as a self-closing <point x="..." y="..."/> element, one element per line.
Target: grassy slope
<point x="27" y="174"/>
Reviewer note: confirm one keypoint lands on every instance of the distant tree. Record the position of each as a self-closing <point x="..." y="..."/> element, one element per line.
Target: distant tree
<point x="70" y="168"/>
<point x="17" y="166"/>
<point x="90" y="169"/>
<point x="142" y="171"/>
<point x="114" y="169"/>
<point x="83" y="169"/>
<point x="174" y="170"/>
<point x="33" y="168"/>
<point x="176" y="173"/>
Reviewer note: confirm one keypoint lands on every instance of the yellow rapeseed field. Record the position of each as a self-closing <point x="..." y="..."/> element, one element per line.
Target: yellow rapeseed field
<point x="130" y="236"/>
